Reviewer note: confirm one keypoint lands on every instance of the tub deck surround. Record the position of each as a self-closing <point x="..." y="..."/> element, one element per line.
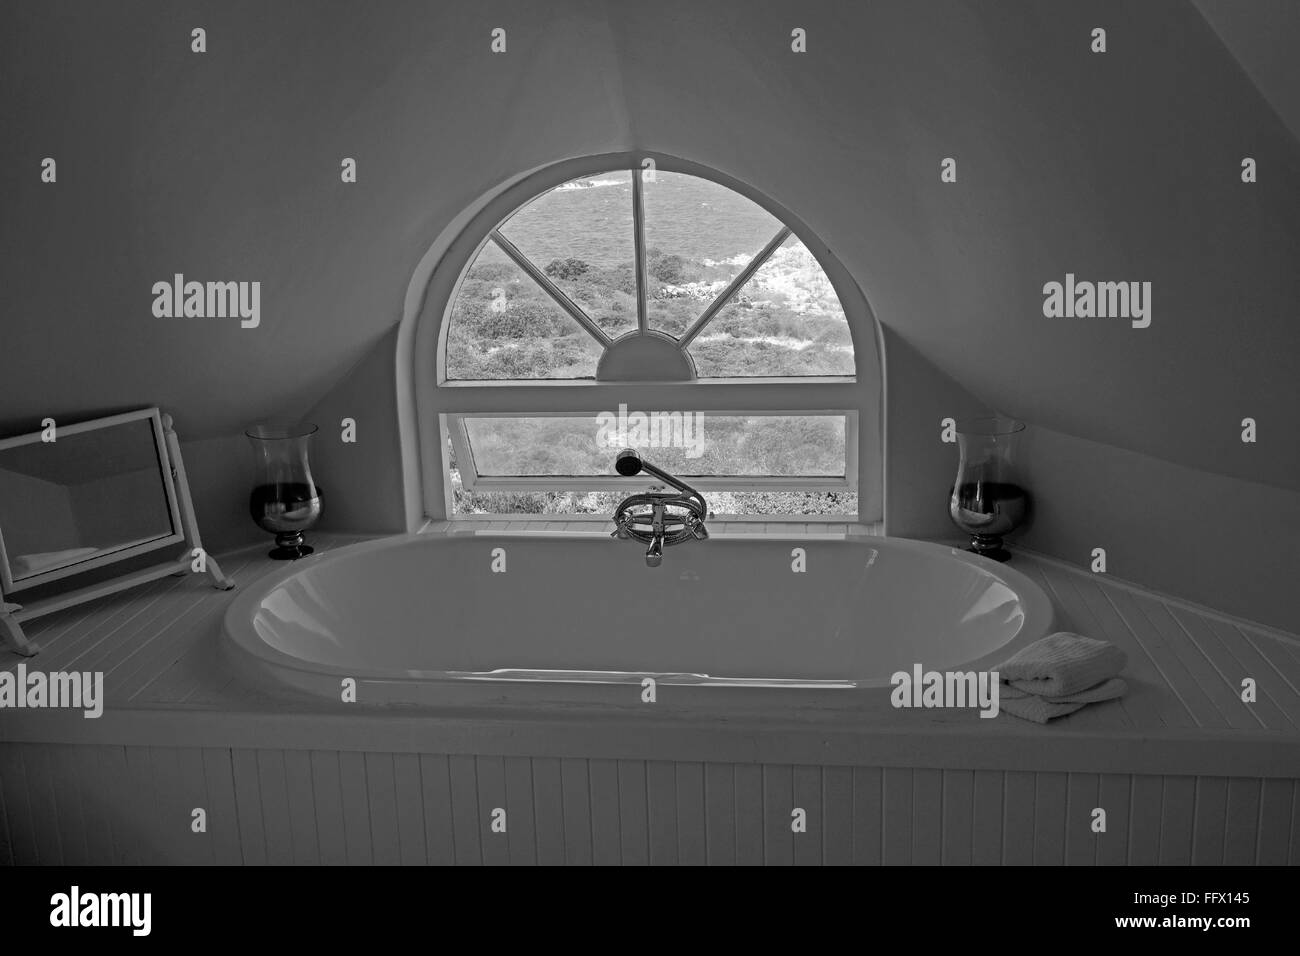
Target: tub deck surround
<point x="168" y="682"/>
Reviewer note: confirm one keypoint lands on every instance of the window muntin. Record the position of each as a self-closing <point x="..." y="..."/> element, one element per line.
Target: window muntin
<point x="503" y="325"/>
<point x="786" y="321"/>
<point x="699" y="235"/>
<point x="594" y="264"/>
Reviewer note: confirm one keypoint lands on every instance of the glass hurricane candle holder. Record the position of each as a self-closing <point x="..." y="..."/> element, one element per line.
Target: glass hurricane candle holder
<point x="988" y="499"/>
<point x="286" y="500"/>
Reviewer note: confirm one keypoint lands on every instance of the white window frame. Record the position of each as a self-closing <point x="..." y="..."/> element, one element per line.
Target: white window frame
<point x="443" y="403"/>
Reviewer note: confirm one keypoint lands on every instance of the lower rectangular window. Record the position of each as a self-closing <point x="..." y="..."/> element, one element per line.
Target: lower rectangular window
<point x="746" y="464"/>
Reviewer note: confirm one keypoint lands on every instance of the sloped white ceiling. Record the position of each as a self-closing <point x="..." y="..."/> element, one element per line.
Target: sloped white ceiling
<point x="224" y="165"/>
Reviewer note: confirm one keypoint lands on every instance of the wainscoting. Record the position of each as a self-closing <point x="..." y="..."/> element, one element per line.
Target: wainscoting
<point x="77" y="804"/>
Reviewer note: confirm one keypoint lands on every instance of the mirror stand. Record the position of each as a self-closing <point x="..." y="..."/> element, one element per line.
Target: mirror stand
<point x="12" y="615"/>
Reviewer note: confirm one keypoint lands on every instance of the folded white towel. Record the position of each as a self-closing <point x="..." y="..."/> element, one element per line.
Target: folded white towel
<point x="1062" y="664"/>
<point x="1042" y="709"/>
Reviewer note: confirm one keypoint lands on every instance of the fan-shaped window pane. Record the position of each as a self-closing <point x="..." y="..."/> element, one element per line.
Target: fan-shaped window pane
<point x="581" y="236"/>
<point x="785" y="321"/>
<point x="698" y="237"/>
<point x="503" y="325"/>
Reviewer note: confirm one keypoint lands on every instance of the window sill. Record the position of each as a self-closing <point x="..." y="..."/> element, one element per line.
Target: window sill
<point x="772" y="525"/>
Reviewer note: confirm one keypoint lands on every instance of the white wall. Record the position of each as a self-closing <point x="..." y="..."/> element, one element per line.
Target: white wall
<point x="362" y="480"/>
<point x="220" y="471"/>
<point x="1223" y="543"/>
<point x="919" y="466"/>
<point x="225" y="166"/>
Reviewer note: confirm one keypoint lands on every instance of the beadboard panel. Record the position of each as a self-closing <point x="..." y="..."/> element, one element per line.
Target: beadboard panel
<point x="73" y="804"/>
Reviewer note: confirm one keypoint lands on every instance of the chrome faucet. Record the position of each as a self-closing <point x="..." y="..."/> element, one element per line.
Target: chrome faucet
<point x="646" y="517"/>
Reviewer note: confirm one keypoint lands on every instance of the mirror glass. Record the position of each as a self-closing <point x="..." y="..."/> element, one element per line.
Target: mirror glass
<point x="87" y="494"/>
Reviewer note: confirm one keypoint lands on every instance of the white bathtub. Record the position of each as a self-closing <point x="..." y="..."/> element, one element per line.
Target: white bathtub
<point x="420" y="618"/>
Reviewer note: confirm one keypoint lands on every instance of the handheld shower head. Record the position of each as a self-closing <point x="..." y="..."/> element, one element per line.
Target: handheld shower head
<point x="628" y="462"/>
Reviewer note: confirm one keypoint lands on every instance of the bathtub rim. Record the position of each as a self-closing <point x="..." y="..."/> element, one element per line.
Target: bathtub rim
<point x="244" y="649"/>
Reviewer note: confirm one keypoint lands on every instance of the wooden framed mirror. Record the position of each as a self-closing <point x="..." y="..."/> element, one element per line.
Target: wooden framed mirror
<point x="76" y="498"/>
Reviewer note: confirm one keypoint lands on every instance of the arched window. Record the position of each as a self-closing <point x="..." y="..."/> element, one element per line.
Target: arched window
<point x="653" y="305"/>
